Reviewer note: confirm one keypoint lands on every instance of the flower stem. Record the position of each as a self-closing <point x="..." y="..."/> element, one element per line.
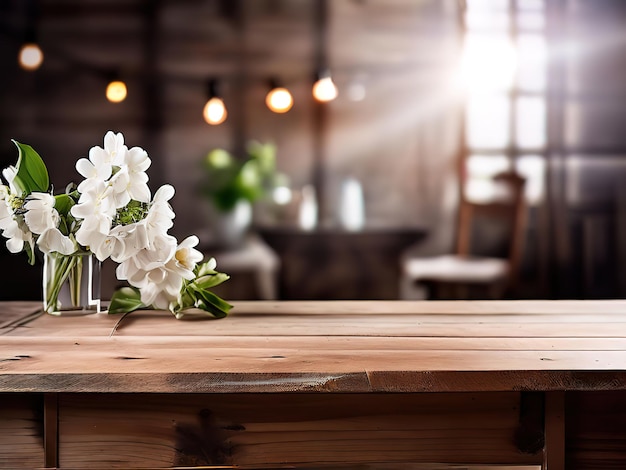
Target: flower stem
<point x="58" y="269"/>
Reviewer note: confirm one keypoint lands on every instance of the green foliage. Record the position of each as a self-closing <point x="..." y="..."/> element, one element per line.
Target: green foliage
<point x="125" y="300"/>
<point x="196" y="293"/>
<point x="230" y="180"/>
<point x="133" y="212"/>
<point x="32" y="174"/>
<point x="63" y="203"/>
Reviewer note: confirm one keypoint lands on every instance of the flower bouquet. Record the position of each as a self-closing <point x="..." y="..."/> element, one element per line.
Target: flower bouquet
<point x="110" y="214"/>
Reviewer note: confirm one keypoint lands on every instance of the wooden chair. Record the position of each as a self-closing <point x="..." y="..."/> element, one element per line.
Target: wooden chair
<point x="465" y="274"/>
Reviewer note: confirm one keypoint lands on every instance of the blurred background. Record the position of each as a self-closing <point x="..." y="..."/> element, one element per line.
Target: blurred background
<point x="422" y="103"/>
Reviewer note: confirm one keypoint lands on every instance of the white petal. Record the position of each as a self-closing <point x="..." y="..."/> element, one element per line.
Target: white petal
<point x="86" y="168"/>
<point x="140" y="192"/>
<point x="53" y="240"/>
<point x="189" y="242"/>
<point x="9" y="174"/>
<point x="164" y="193"/>
<point x="15" y="245"/>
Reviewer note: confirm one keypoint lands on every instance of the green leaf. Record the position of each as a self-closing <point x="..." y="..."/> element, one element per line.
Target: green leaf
<point x="63" y="203"/>
<point x="126" y="299"/>
<point x="206" y="268"/>
<point x="208" y="281"/>
<point x="186" y="300"/>
<point x="32" y="174"/>
<point x="211" y="303"/>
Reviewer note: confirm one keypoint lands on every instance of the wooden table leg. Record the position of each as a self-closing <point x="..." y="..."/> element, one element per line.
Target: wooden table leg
<point x="51" y="430"/>
<point x="554" y="452"/>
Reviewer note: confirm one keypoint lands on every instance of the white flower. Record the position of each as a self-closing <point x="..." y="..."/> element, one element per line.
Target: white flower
<point x="17" y="236"/>
<point x="53" y="240"/>
<point x="132" y="179"/>
<point x="161" y="250"/>
<point x="124" y="242"/>
<point x="150" y="271"/>
<point x="40" y="213"/>
<point x="119" y="188"/>
<point x="93" y="171"/>
<point x="43" y="219"/>
<point x="159" y="272"/>
<point x="95" y="208"/>
<point x="113" y="152"/>
<point x="6" y="211"/>
<point x="161" y="289"/>
<point x="9" y="175"/>
<point x="16" y="233"/>
<point x="187" y="257"/>
<point x="160" y="214"/>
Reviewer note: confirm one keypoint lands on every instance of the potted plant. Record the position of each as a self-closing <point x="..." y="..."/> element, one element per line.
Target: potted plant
<point x="232" y="185"/>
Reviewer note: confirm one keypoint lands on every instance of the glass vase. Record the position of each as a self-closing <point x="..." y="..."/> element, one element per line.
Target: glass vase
<point x="71" y="283"/>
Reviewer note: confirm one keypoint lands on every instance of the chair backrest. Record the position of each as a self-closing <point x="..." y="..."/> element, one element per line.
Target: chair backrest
<point x="511" y="210"/>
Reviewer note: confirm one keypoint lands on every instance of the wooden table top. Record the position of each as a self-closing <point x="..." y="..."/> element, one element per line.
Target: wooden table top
<point x="338" y="346"/>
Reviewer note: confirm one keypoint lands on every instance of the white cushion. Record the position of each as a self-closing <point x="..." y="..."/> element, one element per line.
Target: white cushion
<point x="452" y="268"/>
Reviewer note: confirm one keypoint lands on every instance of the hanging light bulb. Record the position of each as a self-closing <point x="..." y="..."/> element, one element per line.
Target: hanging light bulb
<point x="30" y="56"/>
<point x="116" y="91"/>
<point x="324" y="89"/>
<point x="278" y="99"/>
<point x="214" y="112"/>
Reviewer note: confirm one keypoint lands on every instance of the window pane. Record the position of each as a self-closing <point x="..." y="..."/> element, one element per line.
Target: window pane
<point x="532" y="61"/>
<point x="530" y="4"/>
<point x="480" y="186"/>
<point x="487" y="166"/>
<point x="489" y="62"/>
<point x="531" y="122"/>
<point x="531" y="20"/>
<point x="487" y="5"/>
<point x="487" y="20"/>
<point x="533" y="168"/>
<point x="488" y="121"/>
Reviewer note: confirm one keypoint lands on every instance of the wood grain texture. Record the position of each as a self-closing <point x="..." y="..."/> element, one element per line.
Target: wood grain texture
<point x="272" y="430"/>
<point x="322" y="383"/>
<point x="328" y="347"/>
<point x="595" y="431"/>
<point x="14" y="313"/>
<point x="555" y="431"/>
<point x="51" y="429"/>
<point x="21" y="431"/>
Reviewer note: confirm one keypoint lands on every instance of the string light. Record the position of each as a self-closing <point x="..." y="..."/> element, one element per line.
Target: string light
<point x="278" y="99"/>
<point x="116" y="91"/>
<point x="30" y="56"/>
<point x="214" y="111"/>
<point x="324" y="89"/>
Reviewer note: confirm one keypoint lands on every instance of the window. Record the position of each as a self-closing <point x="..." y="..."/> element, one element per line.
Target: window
<point x="504" y="70"/>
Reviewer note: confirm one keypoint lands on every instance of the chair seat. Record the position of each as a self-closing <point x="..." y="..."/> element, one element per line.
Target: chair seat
<point x="460" y="269"/>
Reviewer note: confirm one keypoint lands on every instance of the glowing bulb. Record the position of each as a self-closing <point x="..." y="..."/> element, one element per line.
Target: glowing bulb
<point x="324" y="89"/>
<point x="116" y="91"/>
<point x="214" y="111"/>
<point x="30" y="56"/>
<point x="279" y="100"/>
